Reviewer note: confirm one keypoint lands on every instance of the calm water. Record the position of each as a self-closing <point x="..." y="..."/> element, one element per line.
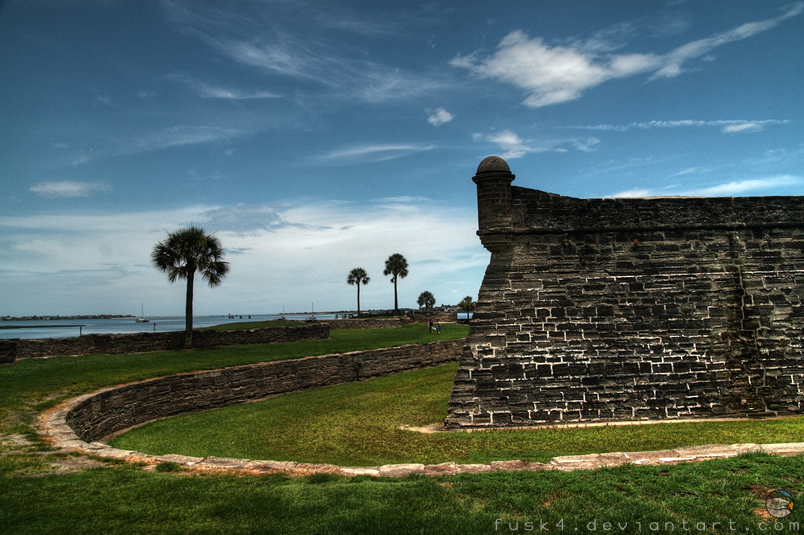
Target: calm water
<point x="69" y="328"/>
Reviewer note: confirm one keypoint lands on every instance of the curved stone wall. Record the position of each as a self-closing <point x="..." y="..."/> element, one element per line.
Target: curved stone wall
<point x="113" y="409"/>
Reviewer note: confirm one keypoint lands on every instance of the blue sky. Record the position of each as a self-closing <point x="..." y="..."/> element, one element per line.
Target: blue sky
<point x="315" y="137"/>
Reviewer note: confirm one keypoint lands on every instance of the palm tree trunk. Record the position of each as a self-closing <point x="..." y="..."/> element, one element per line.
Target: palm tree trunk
<point x="188" y="313"/>
<point x="396" y="300"/>
<point x="358" y="299"/>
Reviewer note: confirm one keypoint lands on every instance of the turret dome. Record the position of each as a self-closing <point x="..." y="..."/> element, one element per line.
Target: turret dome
<point x="493" y="164"/>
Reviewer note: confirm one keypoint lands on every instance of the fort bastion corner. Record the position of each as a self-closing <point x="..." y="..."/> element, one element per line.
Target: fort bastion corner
<point x="596" y="310"/>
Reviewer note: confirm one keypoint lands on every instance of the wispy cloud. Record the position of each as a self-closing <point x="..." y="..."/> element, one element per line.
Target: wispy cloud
<point x="68" y="189"/>
<point x="585" y="145"/>
<point x="365" y="80"/>
<point x="688" y="171"/>
<point x="374" y="153"/>
<point x="204" y="90"/>
<point x="373" y="82"/>
<point x="242" y="218"/>
<point x="439" y="116"/>
<point x="513" y="145"/>
<point x="261" y="43"/>
<point x="743" y="128"/>
<point x="144" y="142"/>
<point x="516" y="147"/>
<point x="740" y="187"/>
<point x="636" y="192"/>
<point x="103" y="98"/>
<point x="556" y="74"/>
<point x="726" y="126"/>
<point x="726" y="189"/>
<point x="182" y="135"/>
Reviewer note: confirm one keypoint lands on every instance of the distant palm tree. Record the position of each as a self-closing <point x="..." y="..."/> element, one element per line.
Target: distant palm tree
<point x="426" y="301"/>
<point x="358" y="276"/>
<point x="182" y="254"/>
<point x="397" y="266"/>
<point x="468" y="305"/>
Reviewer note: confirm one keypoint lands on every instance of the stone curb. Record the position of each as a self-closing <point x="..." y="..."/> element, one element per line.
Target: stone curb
<point x="53" y="426"/>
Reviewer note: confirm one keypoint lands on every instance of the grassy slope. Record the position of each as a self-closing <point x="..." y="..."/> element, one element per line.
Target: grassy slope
<point x="332" y="425"/>
<point x="122" y="498"/>
<point x="35" y="384"/>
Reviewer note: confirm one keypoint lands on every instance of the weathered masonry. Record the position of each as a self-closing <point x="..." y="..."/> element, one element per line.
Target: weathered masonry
<point x="630" y="309"/>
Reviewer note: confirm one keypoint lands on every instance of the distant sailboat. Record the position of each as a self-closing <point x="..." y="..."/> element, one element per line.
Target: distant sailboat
<point x="313" y="316"/>
<point x="142" y="318"/>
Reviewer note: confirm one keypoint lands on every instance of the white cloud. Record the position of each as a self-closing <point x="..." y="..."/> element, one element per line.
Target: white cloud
<point x="727" y="126"/>
<point x="742" y="128"/>
<point x="556" y="74"/>
<point x="549" y="74"/>
<point x="727" y="189"/>
<point x="374" y="153"/>
<point x="242" y="218"/>
<point x="585" y="145"/>
<point x="741" y="187"/>
<point x="517" y="147"/>
<point x="633" y="193"/>
<point x="439" y="116"/>
<point x="289" y="254"/>
<point x="68" y="189"/>
<point x="513" y="145"/>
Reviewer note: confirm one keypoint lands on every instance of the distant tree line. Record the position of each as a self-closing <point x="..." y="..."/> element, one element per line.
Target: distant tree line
<point x="191" y="250"/>
<point x="397" y="267"/>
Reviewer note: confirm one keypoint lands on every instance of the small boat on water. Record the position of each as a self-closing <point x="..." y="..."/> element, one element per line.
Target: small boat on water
<point x="142" y="318"/>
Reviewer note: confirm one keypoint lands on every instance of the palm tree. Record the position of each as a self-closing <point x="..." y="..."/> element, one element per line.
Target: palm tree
<point x="397" y="266"/>
<point x="358" y="276"/>
<point x="182" y="254"/>
<point x="426" y="301"/>
<point x="468" y="305"/>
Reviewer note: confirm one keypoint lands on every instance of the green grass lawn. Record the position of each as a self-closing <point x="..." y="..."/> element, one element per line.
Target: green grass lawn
<point x="723" y="496"/>
<point x="332" y="425"/>
<point x="32" y="385"/>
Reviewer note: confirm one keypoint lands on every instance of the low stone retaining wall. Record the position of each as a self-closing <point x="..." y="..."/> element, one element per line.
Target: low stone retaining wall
<point x="101" y="413"/>
<point x="8" y="351"/>
<point x="441" y="317"/>
<point x="368" y="323"/>
<point x="145" y="342"/>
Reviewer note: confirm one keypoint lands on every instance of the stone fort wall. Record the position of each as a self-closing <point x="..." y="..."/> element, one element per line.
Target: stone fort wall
<point x="628" y="309"/>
